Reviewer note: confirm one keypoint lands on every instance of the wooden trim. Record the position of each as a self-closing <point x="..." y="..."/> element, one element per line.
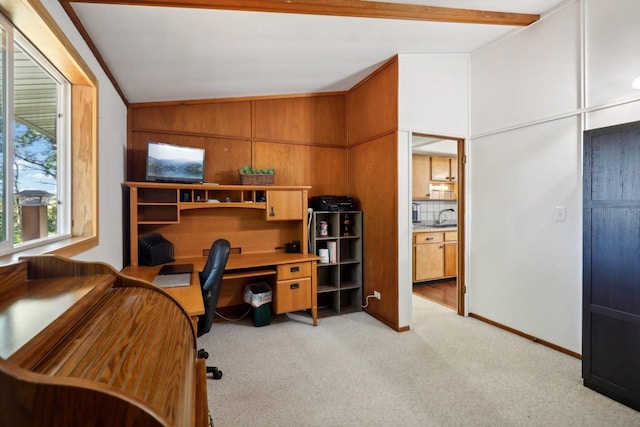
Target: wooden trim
<point x="352" y="8"/>
<point x="527" y="336"/>
<point x="461" y="229"/>
<point x="372" y="138"/>
<point x="181" y="133"/>
<point x="377" y="71"/>
<point x="33" y="20"/>
<point x="85" y="35"/>
<point x="232" y="99"/>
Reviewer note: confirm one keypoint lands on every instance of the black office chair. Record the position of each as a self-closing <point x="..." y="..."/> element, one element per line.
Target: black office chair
<point x="210" y="282"/>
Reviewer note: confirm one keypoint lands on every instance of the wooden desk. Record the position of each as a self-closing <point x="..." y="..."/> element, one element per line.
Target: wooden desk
<point x="294" y="288"/>
<point x="82" y="345"/>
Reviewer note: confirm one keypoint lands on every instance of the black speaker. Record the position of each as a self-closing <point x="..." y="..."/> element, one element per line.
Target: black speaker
<point x="153" y="249"/>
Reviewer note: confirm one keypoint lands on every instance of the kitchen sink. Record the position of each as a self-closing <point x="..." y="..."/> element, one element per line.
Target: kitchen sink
<point x="445" y="225"/>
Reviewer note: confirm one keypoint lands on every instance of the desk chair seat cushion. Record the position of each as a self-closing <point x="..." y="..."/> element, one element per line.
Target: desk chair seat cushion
<point x="211" y="281"/>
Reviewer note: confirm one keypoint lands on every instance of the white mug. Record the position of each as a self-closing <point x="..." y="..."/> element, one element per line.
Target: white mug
<point x="324" y="256"/>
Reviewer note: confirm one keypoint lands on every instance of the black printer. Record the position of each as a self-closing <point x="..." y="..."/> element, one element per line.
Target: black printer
<point x="332" y="203"/>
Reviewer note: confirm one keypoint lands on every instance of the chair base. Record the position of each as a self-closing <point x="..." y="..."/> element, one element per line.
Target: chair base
<point x="216" y="373"/>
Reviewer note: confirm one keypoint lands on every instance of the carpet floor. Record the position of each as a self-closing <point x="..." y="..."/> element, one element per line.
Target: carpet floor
<point x="352" y="370"/>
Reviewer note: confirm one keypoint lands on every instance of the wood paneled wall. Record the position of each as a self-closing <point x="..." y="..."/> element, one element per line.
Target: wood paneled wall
<point x="344" y="143"/>
<point x="373" y="181"/>
<point x="302" y="137"/>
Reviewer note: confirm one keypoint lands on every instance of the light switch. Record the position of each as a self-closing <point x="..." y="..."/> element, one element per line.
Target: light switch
<point x="561" y="213"/>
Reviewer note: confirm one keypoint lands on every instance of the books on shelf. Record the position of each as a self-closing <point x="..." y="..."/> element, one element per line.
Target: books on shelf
<point x="332" y="246"/>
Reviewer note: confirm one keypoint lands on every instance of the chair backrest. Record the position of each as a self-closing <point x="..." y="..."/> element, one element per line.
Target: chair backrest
<point x="210" y="282"/>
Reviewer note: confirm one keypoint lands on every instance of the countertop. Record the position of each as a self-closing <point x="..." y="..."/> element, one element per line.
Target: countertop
<point x="423" y="228"/>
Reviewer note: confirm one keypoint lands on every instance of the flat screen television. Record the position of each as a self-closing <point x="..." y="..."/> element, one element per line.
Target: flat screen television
<point x="174" y="163"/>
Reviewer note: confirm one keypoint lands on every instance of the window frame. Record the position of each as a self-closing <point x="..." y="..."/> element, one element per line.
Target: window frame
<point x="32" y="19"/>
<point x="13" y="37"/>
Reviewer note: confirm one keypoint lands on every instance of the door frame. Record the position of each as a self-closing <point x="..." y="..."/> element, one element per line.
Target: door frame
<point x="461" y="205"/>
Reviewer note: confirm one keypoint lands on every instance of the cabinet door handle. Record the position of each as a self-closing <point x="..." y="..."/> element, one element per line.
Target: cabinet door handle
<point x="429" y="238"/>
<point x="295" y="269"/>
<point x="294" y="286"/>
<point x="441" y="247"/>
<point x="271" y="212"/>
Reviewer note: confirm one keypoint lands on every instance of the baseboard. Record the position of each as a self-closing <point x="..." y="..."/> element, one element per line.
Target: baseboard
<point x="527" y="336"/>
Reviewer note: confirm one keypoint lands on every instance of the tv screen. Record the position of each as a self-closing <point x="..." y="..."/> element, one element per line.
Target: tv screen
<point x="174" y="163"/>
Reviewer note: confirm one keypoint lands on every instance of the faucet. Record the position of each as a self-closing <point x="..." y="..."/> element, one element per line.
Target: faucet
<point x="440" y="220"/>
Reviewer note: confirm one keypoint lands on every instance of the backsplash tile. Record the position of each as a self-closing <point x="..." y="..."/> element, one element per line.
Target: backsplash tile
<point x="429" y="209"/>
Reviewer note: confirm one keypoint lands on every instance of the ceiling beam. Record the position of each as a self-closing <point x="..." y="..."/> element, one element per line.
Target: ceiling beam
<point x="351" y="8"/>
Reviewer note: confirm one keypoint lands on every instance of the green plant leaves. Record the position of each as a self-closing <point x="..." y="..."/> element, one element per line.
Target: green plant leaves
<point x="251" y="171"/>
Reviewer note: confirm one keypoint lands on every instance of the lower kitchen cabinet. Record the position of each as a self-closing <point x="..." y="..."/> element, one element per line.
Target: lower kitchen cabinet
<point x="435" y="255"/>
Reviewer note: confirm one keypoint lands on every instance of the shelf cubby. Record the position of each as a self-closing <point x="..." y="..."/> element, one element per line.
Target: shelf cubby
<point x="339" y="282"/>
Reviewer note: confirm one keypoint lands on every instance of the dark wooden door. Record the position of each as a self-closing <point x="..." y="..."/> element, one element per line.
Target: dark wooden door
<point x="611" y="264"/>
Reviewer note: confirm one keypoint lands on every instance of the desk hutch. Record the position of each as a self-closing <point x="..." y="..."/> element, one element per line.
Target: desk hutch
<point x="257" y="221"/>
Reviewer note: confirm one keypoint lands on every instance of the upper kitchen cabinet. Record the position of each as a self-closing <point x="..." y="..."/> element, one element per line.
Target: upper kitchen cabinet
<point x="421" y="176"/>
<point x="444" y="169"/>
<point x="435" y="168"/>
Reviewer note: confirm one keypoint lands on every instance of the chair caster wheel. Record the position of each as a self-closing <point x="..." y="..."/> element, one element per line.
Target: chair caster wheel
<point x="215" y="372"/>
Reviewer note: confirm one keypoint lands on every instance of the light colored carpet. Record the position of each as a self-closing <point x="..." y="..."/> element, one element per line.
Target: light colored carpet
<point x="352" y="370"/>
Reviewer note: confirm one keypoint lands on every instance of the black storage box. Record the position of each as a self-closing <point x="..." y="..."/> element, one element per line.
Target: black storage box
<point x="153" y="249"/>
<point x="332" y="203"/>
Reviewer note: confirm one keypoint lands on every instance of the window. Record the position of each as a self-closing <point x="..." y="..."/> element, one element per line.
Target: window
<point x="34" y="146"/>
<point x="33" y="21"/>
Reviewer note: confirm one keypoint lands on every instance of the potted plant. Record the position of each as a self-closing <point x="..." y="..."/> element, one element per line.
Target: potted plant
<point x="251" y="176"/>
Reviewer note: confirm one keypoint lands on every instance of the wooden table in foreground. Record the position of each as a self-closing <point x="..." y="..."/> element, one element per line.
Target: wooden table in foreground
<point x="291" y="276"/>
<point x="83" y="345"/>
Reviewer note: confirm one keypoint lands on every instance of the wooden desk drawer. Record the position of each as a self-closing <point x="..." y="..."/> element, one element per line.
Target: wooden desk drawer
<point x="292" y="295"/>
<point x="420" y="238"/>
<point x="294" y="271"/>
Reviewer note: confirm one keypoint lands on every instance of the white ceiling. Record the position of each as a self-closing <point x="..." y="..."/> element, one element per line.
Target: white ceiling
<point x="164" y="54"/>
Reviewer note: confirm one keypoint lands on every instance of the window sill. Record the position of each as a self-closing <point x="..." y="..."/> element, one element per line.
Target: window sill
<point x="66" y="248"/>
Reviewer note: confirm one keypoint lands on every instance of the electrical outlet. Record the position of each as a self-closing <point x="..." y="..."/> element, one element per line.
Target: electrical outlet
<point x="376" y="295"/>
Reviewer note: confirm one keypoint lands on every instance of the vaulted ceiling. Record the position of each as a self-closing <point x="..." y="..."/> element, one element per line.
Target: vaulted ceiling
<point x="165" y="50"/>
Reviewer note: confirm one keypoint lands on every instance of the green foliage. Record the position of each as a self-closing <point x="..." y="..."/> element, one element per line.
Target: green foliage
<point x="248" y="170"/>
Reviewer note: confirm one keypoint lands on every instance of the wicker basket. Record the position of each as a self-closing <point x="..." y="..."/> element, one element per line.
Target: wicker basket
<point x="257" y="178"/>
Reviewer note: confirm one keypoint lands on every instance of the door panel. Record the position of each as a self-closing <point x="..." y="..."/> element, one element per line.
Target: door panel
<point x="616" y="268"/>
<point x="611" y="263"/>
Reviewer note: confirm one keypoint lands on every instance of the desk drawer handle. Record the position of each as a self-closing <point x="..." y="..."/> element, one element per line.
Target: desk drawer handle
<point x="295" y="269"/>
<point x="294" y="286"/>
<point x="429" y="238"/>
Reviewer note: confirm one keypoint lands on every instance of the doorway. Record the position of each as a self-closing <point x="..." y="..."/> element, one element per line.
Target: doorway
<point x="437" y="205"/>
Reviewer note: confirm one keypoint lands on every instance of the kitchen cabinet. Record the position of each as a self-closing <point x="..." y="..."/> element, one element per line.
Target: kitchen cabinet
<point x="450" y="254"/>
<point x="444" y="169"/>
<point x="434" y="255"/>
<point x="421" y="176"/>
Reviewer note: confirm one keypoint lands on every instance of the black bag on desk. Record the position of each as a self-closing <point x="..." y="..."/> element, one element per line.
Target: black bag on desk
<point x="153" y="249"/>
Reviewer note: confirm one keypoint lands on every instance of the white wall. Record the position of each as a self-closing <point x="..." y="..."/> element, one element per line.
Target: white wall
<point x="432" y="99"/>
<point x="613" y="62"/>
<point x="525" y="155"/>
<point x="433" y="94"/>
<point x="112" y="141"/>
